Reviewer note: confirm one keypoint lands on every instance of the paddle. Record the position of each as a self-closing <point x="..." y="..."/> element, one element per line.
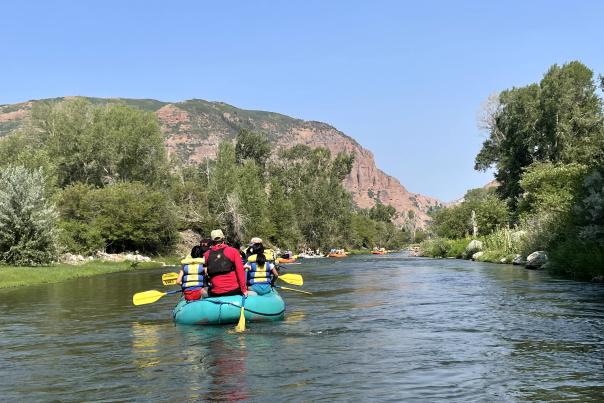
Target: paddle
<point x="290" y="278"/>
<point x="292" y="289"/>
<point x="149" y="297"/>
<point x="241" y="325"/>
<point x="169" y="278"/>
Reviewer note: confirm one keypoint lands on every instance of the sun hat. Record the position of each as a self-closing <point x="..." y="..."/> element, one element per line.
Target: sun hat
<point x="256" y="240"/>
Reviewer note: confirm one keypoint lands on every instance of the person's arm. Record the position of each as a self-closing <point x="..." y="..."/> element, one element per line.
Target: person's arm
<point x="180" y="274"/>
<point x="274" y="271"/>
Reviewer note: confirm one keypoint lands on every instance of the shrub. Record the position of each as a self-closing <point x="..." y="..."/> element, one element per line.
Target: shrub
<point x="577" y="259"/>
<point x="127" y="216"/>
<point x="27" y="220"/>
<point x="456" y="248"/>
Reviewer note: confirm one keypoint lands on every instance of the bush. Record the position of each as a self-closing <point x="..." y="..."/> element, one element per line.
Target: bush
<point x="436" y="247"/>
<point x="27" y="220"/>
<point x="456" y="248"/>
<point x="440" y="247"/>
<point x="579" y="260"/>
<point x="122" y="217"/>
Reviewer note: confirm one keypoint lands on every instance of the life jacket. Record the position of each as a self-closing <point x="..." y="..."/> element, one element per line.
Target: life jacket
<point x="193" y="277"/>
<point x="268" y="253"/>
<point x="259" y="274"/>
<point x="218" y="263"/>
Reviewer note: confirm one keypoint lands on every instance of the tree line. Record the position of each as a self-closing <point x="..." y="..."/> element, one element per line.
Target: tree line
<point x="80" y="177"/>
<point x="546" y="145"/>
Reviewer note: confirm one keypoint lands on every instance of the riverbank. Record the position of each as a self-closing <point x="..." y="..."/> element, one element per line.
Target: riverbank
<point x="18" y="276"/>
<point x="510" y="247"/>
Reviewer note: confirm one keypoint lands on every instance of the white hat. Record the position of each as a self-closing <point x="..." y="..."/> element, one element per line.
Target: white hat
<point x="216" y="235"/>
<point x="256" y="240"/>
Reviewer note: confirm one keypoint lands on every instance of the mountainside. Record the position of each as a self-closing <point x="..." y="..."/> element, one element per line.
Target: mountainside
<point x="193" y="129"/>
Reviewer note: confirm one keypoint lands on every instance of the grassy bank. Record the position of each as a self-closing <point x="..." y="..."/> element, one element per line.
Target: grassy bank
<point x="358" y="251"/>
<point x="502" y="246"/>
<point x="12" y="276"/>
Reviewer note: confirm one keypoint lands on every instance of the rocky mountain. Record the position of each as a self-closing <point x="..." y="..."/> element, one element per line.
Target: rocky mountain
<point x="194" y="128"/>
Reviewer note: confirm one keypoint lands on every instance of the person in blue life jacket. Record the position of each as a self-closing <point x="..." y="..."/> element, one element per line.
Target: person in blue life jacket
<point x="191" y="275"/>
<point x="261" y="273"/>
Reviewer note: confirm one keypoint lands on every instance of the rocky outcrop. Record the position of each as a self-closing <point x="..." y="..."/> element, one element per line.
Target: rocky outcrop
<point x="193" y="130"/>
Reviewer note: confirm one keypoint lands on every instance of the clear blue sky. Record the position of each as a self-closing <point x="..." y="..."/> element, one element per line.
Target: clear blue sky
<point x="404" y="78"/>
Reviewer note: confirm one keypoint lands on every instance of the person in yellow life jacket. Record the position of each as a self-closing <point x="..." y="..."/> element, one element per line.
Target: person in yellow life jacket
<point x="260" y="272"/>
<point x="191" y="275"/>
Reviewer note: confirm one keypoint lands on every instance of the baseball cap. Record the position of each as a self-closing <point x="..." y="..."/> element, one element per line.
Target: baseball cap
<point x="216" y="235"/>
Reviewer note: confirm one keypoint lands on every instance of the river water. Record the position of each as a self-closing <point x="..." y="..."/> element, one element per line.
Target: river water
<point x="378" y="328"/>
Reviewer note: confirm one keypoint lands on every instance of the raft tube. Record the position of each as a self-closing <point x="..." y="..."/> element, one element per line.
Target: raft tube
<point x="220" y="310"/>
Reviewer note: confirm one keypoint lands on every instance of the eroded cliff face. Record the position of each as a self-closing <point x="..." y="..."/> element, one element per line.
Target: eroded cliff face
<point x="194" y="129"/>
<point x="366" y="182"/>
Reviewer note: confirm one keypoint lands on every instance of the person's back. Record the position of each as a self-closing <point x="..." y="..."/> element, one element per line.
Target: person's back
<point x="224" y="268"/>
<point x="260" y="271"/>
<point x="192" y="279"/>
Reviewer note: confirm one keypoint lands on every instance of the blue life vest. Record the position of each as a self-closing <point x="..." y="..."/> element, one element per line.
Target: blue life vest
<point x="259" y="275"/>
<point x="192" y="278"/>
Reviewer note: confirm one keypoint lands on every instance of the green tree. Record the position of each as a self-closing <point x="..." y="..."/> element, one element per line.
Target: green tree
<point x="551" y="187"/>
<point x="125" y="216"/>
<point x="380" y="212"/>
<point x="558" y="120"/>
<point x="455" y="221"/>
<point x="27" y="219"/>
<point x="254" y="146"/>
<point x="99" y="144"/>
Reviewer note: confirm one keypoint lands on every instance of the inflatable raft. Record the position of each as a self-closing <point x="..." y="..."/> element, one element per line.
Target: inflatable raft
<point x="219" y="310"/>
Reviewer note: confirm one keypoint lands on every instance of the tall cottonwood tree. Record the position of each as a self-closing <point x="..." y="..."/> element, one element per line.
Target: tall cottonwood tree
<point x="558" y="120"/>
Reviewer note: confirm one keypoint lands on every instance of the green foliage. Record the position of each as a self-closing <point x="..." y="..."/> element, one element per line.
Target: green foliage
<point x="590" y="210"/>
<point x="505" y="241"/>
<point x="97" y="144"/>
<point x="254" y="146"/>
<point x="558" y="120"/>
<point x="27" y="218"/>
<point x="435" y="247"/>
<point x="549" y="187"/>
<point x="456" y="221"/>
<point x="383" y="213"/>
<point x="124" y="216"/>
<point x="582" y="260"/>
<point x="457" y="247"/>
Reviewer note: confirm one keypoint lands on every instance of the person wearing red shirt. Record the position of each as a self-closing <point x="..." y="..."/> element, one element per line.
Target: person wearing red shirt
<point x="224" y="268"/>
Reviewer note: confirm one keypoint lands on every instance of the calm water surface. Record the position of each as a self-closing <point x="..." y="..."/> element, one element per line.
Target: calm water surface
<point x="378" y="328"/>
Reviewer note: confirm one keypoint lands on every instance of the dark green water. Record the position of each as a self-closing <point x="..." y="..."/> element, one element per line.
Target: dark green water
<point x="378" y="328"/>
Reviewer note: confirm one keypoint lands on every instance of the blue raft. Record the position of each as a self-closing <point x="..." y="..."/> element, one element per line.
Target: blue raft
<point x="219" y="310"/>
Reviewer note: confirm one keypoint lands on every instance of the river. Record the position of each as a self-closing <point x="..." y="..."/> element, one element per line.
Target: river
<point x="378" y="328"/>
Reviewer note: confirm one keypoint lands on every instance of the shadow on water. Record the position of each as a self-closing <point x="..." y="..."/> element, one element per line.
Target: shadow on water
<point x="385" y="328"/>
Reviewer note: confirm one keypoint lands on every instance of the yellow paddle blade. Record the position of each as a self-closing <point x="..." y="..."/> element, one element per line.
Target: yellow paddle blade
<point x="292" y="278"/>
<point x="169" y="278"/>
<point x="147" y="297"/>
<point x="293" y="289"/>
<point x="241" y="325"/>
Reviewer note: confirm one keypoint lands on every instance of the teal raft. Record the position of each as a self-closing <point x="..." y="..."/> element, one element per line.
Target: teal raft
<point x="219" y="310"/>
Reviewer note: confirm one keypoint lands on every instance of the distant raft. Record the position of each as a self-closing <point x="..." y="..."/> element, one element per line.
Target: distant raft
<point x="221" y="310"/>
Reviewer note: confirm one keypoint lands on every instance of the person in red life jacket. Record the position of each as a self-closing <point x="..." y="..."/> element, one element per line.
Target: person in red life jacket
<point x="191" y="276"/>
<point x="224" y="268"/>
<point x="260" y="272"/>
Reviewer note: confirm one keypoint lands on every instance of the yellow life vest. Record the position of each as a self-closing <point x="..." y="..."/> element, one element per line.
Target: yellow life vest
<point x="193" y="277"/>
<point x="259" y="274"/>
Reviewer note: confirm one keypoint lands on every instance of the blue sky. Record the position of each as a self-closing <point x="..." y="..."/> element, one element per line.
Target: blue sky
<point x="405" y="79"/>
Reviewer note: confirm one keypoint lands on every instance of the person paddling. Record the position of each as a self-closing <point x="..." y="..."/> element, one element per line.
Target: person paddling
<point x="191" y="275"/>
<point x="261" y="273"/>
<point x="224" y="268"/>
